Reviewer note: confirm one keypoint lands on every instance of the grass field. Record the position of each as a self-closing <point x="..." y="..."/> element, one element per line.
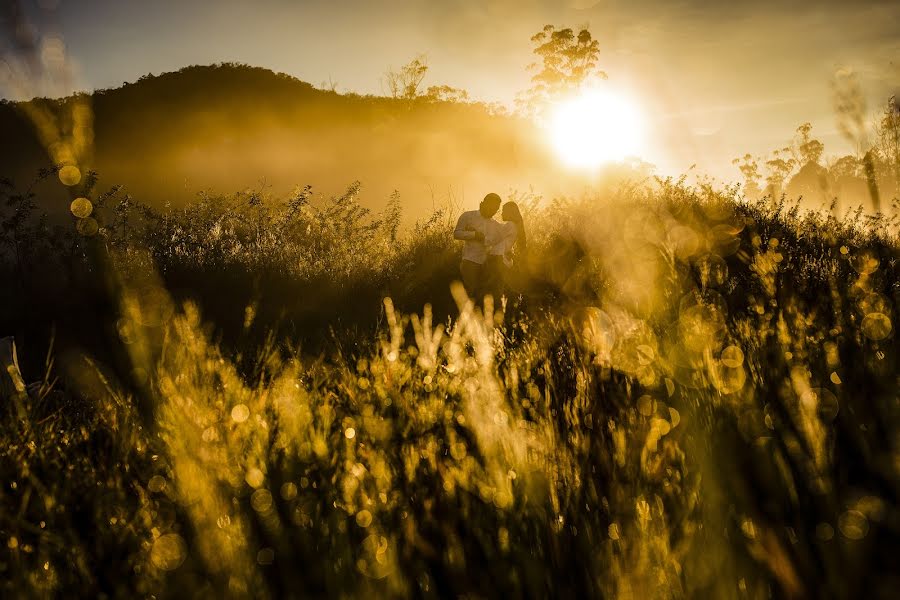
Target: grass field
<point x="685" y="394"/>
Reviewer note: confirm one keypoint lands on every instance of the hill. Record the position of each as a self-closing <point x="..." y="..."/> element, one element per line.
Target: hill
<point x="229" y="127"/>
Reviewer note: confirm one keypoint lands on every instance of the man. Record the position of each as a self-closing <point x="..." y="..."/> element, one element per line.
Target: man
<point x="472" y="228"/>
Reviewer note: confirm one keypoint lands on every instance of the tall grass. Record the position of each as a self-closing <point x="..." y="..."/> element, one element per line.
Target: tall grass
<point x="685" y="394"/>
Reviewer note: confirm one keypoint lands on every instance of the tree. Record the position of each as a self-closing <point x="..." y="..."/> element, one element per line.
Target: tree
<point x="845" y="166"/>
<point x="780" y="167"/>
<point x="567" y="61"/>
<point x="749" y="167"/>
<point x="806" y="149"/>
<point x="329" y="86"/>
<point x="404" y="83"/>
<point x="446" y="93"/>
<point x="887" y="131"/>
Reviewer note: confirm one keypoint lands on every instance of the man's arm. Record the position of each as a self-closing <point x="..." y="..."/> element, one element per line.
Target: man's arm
<point x="462" y="232"/>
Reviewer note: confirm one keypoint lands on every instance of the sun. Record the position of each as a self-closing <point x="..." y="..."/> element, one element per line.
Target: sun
<point x="595" y="127"/>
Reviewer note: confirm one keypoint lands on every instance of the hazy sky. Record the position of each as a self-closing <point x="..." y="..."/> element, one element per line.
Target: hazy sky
<point x="713" y="79"/>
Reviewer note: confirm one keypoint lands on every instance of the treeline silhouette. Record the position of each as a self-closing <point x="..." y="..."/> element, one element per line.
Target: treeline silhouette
<point x="868" y="178"/>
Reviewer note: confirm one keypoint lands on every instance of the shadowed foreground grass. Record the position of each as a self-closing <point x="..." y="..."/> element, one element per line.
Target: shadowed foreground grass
<point x="687" y="395"/>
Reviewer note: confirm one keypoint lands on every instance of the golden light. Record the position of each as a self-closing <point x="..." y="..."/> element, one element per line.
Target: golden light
<point x="595" y="127"/>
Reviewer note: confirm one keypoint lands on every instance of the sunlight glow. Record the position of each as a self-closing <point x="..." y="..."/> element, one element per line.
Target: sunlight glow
<point x="595" y="127"/>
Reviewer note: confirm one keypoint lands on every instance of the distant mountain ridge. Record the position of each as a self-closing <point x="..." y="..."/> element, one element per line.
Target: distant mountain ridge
<point x="229" y="127"/>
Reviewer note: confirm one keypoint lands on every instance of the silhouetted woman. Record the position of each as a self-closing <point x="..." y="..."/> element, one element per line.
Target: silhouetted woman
<point x="506" y="252"/>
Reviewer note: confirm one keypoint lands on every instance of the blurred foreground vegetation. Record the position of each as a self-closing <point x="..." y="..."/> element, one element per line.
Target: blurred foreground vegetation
<point x="686" y="394"/>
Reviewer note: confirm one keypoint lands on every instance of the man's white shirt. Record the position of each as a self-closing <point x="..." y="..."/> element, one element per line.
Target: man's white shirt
<point x="470" y="222"/>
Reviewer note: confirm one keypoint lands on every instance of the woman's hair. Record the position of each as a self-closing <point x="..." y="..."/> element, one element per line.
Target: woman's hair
<point x="516" y="217"/>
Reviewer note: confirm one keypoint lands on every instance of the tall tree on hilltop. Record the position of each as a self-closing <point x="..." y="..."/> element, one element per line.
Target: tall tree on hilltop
<point x="404" y="82"/>
<point x="567" y="61"/>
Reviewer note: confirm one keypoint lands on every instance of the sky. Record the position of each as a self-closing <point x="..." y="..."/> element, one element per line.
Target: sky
<point x="713" y="80"/>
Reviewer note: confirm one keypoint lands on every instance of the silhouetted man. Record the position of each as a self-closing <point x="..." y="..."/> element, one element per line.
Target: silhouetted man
<point x="472" y="228"/>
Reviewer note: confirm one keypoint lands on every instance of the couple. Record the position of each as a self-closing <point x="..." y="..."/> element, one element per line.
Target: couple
<point x="487" y="256"/>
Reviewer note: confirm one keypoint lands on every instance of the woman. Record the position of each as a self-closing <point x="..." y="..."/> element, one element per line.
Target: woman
<point x="506" y="250"/>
